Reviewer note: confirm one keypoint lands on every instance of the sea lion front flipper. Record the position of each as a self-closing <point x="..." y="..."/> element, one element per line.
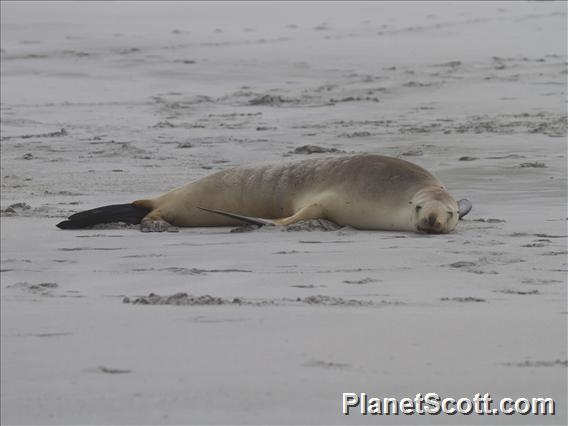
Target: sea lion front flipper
<point x="247" y="219"/>
<point x="311" y="211"/>
<point x="464" y="207"/>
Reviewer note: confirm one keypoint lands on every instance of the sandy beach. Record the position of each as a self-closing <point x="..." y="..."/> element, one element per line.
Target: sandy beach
<point x="106" y="103"/>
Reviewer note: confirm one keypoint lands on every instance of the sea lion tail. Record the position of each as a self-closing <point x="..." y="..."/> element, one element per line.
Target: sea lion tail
<point x="131" y="214"/>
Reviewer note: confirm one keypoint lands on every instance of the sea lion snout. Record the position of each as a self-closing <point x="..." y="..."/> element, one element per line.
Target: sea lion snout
<point x="435" y="216"/>
<point x="432" y="219"/>
<point x="431" y="225"/>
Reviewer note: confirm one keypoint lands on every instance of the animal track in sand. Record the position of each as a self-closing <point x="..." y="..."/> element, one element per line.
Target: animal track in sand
<point x="90" y="248"/>
<point x="543" y="237"/>
<point x="15" y="208"/>
<point x="555" y="253"/>
<point x="359" y="134"/>
<point x="314" y="149"/>
<point x="99" y="236"/>
<point x="462" y="299"/>
<point x="45" y="210"/>
<point x="273" y="100"/>
<point x="333" y="301"/>
<point x="108" y="370"/>
<point x="43" y="335"/>
<point x="490" y="220"/>
<point x="527" y="363"/>
<point x="506" y="157"/>
<point x="188" y="271"/>
<point x="362" y="281"/>
<point x="41" y="288"/>
<point x="533" y="164"/>
<point x="538" y="281"/>
<point x="326" y="242"/>
<point x="56" y="134"/>
<point x="187" y="299"/>
<point x="307" y="286"/>
<point x="473" y="267"/>
<point x="326" y="364"/>
<point x="535" y="244"/>
<point x="519" y="292"/>
<point x="45" y="289"/>
<point x="136" y="256"/>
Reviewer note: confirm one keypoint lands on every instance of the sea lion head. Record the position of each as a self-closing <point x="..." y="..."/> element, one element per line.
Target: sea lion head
<point x="434" y="211"/>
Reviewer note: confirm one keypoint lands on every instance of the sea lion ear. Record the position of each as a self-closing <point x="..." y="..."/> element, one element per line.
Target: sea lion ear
<point x="464" y="207"/>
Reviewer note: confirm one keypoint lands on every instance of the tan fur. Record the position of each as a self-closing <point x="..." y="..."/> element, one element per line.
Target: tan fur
<point x="145" y="204"/>
<point x="365" y="191"/>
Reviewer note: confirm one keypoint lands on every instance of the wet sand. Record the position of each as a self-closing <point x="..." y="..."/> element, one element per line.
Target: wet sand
<point x="107" y="103"/>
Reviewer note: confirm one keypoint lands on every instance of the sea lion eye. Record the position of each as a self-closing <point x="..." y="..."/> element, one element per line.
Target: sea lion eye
<point x="418" y="208"/>
<point x="450" y="214"/>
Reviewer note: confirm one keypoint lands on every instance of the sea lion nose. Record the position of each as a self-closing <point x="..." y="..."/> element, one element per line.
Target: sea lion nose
<point x="432" y="219"/>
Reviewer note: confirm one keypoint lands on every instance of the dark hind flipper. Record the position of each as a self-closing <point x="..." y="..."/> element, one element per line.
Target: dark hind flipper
<point x="464" y="207"/>
<point x="127" y="213"/>
<point x="247" y="219"/>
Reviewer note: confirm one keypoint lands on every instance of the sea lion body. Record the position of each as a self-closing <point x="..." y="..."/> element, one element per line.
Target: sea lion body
<point x="364" y="191"/>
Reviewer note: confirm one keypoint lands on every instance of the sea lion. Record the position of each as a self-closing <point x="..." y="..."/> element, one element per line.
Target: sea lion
<point x="365" y="191"/>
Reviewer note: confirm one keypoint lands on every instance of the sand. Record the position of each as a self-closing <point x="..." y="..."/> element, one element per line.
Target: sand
<point x="107" y="103"/>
